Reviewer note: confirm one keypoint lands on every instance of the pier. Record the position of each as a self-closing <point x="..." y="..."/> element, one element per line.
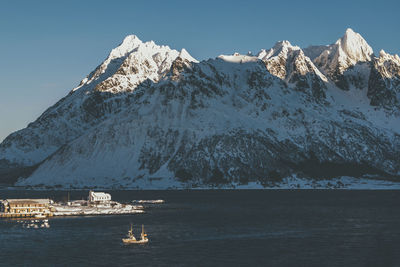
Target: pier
<point x="21" y="215"/>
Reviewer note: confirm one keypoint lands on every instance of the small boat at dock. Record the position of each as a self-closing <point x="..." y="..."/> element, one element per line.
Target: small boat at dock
<point x="45" y="224"/>
<point x="131" y="239"/>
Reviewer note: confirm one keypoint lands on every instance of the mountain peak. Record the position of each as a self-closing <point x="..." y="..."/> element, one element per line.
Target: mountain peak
<point x="283" y="46"/>
<point x="383" y="56"/>
<point x="284" y="43"/>
<point x="382" y="53"/>
<point x="336" y="58"/>
<point x="132" y="62"/>
<point x="349" y="31"/>
<point x="131" y="38"/>
<point x="354" y="47"/>
<point x="280" y="48"/>
<point x="184" y="54"/>
<point x="129" y="43"/>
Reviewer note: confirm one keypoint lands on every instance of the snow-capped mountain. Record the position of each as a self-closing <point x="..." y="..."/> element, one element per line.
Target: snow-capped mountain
<point x="130" y="64"/>
<point x="291" y="65"/>
<point x="150" y="116"/>
<point x="101" y="93"/>
<point x="338" y="60"/>
<point x="384" y="81"/>
<point x="346" y="52"/>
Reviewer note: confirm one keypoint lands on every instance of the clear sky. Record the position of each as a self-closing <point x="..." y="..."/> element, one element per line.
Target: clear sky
<point x="47" y="47"/>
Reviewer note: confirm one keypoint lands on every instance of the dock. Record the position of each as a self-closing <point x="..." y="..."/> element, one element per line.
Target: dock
<point x="21" y="215"/>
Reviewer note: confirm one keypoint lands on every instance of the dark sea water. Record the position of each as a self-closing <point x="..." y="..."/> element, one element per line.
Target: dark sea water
<point x="218" y="228"/>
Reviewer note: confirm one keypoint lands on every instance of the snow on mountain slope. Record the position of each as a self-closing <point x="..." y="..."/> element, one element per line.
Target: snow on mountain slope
<point x="131" y="63"/>
<point x="336" y="59"/>
<point x="183" y="132"/>
<point x="290" y="64"/>
<point x="113" y="62"/>
<point x="384" y="81"/>
<point x="346" y="52"/>
<point x="100" y="94"/>
<point x="165" y="114"/>
<point x="153" y="117"/>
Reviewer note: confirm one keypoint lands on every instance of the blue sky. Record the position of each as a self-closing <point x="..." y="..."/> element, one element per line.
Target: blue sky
<point x="47" y="47"/>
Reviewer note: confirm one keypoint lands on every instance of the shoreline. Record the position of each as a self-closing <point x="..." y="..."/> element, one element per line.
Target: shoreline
<point x="79" y="208"/>
<point x="258" y="187"/>
<point x="288" y="183"/>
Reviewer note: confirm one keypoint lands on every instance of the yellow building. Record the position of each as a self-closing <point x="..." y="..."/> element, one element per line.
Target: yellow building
<point x="25" y="207"/>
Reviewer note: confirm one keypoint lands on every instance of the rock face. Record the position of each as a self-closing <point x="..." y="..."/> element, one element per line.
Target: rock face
<point x="291" y="65"/>
<point x="338" y="60"/>
<point x="384" y="81"/>
<point x="150" y="115"/>
<point x="102" y="93"/>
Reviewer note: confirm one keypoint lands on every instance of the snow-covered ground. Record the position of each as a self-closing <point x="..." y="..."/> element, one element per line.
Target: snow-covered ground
<point x="76" y="209"/>
<point x="290" y="183"/>
<point x="350" y="183"/>
<point x="156" y="201"/>
<point x="293" y="182"/>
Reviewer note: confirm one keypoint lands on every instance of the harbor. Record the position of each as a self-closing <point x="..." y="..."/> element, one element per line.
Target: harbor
<point x="97" y="203"/>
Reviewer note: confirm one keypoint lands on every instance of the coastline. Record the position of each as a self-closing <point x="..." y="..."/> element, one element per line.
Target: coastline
<point x="293" y="183"/>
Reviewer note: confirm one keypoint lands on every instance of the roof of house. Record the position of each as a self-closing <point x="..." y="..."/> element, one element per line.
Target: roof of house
<point x="100" y="194"/>
<point x="27" y="201"/>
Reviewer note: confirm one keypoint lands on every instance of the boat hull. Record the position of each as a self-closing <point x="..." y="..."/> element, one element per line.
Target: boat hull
<point x="130" y="241"/>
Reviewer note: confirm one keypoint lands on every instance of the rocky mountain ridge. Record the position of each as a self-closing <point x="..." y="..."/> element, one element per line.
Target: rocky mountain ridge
<point x="151" y="116"/>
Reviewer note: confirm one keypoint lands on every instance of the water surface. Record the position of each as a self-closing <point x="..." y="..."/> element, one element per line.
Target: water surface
<point x="216" y="228"/>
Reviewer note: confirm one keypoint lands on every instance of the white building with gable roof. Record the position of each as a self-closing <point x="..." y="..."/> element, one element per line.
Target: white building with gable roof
<point x="99" y="196"/>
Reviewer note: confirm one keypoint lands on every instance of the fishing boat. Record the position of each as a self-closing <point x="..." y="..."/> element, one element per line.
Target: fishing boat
<point x="132" y="240"/>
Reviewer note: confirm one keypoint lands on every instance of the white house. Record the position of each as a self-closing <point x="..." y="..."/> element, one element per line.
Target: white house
<point x="99" y="196"/>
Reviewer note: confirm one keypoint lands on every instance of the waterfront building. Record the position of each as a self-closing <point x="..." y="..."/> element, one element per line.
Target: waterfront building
<point x="25" y="207"/>
<point x="99" y="197"/>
